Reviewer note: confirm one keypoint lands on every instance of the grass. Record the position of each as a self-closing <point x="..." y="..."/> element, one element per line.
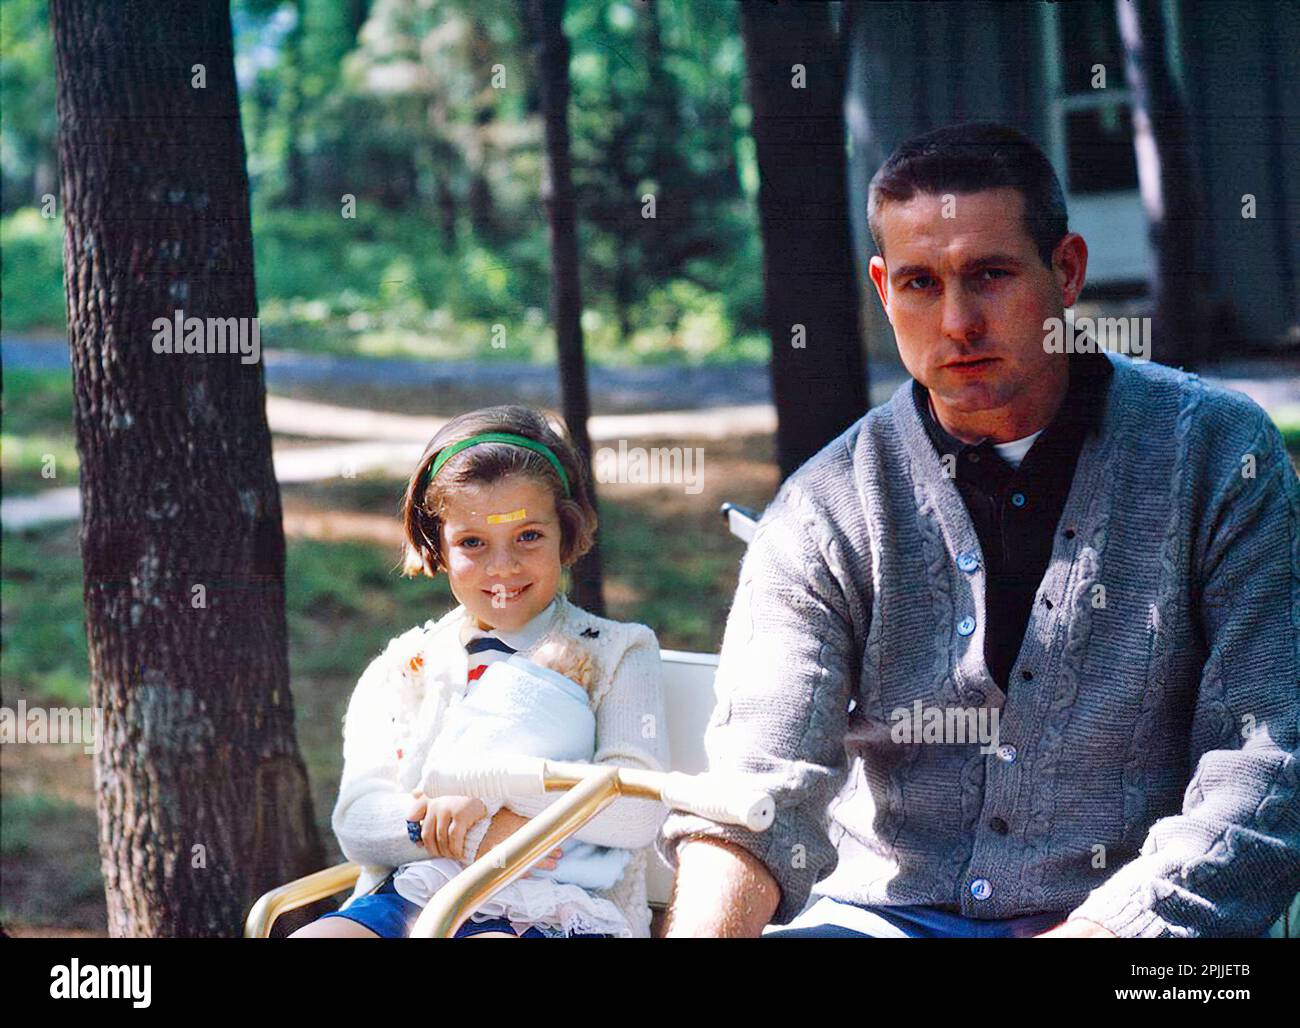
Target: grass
<point x="49" y="862"/>
<point x="677" y="582"/>
<point x="37" y="445"/>
<point x="344" y="604"/>
<point x="25" y="815"/>
<point x="44" y="656"/>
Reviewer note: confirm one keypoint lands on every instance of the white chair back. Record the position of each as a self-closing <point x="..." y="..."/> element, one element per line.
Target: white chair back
<point x="688" y="701"/>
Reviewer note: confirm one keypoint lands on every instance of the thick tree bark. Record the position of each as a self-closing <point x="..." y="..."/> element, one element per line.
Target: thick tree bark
<point x="1167" y="180"/>
<point x="819" y="381"/>
<point x="566" y="287"/>
<point x="202" y="795"/>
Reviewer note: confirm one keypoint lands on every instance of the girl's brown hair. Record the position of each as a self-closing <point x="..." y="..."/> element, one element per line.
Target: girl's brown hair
<point x="424" y="502"/>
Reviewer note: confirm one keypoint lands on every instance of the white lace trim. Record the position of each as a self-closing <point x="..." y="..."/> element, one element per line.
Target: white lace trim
<point x="547" y="904"/>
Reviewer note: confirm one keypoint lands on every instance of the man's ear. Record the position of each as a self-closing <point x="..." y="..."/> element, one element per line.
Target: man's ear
<point x="1070" y="266"/>
<point x="879" y="278"/>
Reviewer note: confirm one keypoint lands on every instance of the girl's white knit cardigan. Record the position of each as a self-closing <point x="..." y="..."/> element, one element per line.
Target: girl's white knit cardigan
<point x="397" y="707"/>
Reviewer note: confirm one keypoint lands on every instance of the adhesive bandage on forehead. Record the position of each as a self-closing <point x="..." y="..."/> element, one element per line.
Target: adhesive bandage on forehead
<point x="514" y="515"/>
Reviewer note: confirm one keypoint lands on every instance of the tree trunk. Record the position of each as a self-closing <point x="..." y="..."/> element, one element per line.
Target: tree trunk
<point x="1167" y="179"/>
<point x="672" y="235"/>
<point x="819" y="383"/>
<point x="634" y="232"/>
<point x="447" y="213"/>
<point x="479" y="201"/>
<point x="295" y="171"/>
<point x="203" y="798"/>
<point x="482" y="209"/>
<point x="357" y="13"/>
<point x="566" y="288"/>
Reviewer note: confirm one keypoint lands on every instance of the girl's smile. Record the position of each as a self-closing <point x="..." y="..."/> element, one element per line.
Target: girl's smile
<point x="501" y="544"/>
<point x="508" y="594"/>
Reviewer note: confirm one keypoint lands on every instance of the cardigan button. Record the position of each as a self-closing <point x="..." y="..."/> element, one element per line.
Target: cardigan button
<point x="966" y="625"/>
<point x="968" y="562"/>
<point x="998" y="825"/>
<point x="1007" y="753"/>
<point x="981" y="888"/>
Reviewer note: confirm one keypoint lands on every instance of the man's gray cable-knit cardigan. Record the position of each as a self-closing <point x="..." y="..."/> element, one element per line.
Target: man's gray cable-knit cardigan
<point x="1148" y="770"/>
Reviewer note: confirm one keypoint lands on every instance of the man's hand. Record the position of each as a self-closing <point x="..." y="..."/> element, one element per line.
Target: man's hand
<point x="1079" y="928"/>
<point x="721" y="891"/>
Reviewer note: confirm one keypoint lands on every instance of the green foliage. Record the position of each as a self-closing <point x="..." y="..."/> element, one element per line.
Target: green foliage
<point x="31" y="274"/>
<point x="1287" y="420"/>
<point x="653" y="94"/>
<point x="428" y="116"/>
<point x="37" y="421"/>
<point x="37" y="402"/>
<point x="374" y="285"/>
<point x="27" y="126"/>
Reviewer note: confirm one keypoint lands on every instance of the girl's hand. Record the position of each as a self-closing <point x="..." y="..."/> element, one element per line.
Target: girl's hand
<point x="445" y="822"/>
<point x="503" y="825"/>
<point x="419" y="808"/>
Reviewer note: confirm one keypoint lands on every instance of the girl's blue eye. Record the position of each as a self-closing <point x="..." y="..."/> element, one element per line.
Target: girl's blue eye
<point x="468" y="540"/>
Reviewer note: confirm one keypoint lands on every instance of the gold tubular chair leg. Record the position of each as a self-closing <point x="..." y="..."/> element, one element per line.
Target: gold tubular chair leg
<point x="452" y="905"/>
<point x="298" y="893"/>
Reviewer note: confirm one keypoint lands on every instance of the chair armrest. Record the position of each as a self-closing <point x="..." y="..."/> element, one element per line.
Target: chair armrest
<point x="298" y="893"/>
<point x="452" y="905"/>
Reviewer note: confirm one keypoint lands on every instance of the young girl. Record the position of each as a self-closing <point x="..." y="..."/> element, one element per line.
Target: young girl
<point x="501" y="502"/>
<point x="540" y="708"/>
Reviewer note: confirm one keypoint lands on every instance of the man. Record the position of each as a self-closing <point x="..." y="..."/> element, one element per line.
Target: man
<point x="1097" y="558"/>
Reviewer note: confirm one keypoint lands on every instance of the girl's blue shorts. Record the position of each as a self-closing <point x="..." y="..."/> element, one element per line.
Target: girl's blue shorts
<point x="391" y="915"/>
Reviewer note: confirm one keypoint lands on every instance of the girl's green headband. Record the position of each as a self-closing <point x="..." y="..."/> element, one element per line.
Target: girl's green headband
<point x="447" y="452"/>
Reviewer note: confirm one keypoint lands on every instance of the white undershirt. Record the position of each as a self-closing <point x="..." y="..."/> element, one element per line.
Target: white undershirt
<point x="1013" y="452"/>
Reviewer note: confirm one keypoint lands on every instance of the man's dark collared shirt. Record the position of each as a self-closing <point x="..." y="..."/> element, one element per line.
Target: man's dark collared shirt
<point x="1015" y="510"/>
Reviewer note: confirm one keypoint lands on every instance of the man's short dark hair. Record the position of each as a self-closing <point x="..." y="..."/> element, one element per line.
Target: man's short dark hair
<point x="965" y="159"/>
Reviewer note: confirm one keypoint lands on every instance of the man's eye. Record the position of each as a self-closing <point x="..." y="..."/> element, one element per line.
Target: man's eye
<point x="921" y="282"/>
<point x="996" y="272"/>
